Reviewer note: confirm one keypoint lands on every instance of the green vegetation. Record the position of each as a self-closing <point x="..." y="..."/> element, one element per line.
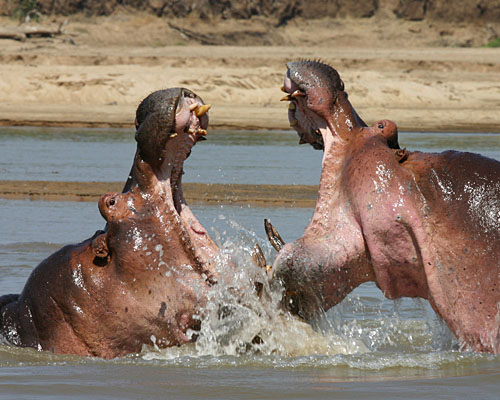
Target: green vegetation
<point x="26" y="10"/>
<point x="494" y="43"/>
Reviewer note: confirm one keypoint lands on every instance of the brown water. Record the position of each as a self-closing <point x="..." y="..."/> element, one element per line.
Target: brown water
<point x="367" y="347"/>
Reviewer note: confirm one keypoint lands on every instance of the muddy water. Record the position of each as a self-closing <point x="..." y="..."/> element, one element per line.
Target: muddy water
<point x="367" y="347"/>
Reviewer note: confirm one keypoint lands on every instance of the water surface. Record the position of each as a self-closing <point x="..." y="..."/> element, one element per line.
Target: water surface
<point x="405" y="348"/>
<point x="251" y="157"/>
<point x="367" y="347"/>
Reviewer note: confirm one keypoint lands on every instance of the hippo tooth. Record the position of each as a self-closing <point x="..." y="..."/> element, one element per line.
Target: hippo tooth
<point x="191" y="131"/>
<point x="193" y="106"/>
<point x="172" y="135"/>
<point x="201" y="110"/>
<point x="297" y="93"/>
<point x="294" y="122"/>
<point x="286" y="98"/>
<point x="292" y="106"/>
<point x="202" y="132"/>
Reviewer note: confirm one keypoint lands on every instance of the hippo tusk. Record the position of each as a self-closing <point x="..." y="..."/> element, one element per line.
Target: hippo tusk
<point x="297" y="93"/>
<point x="274" y="237"/>
<point x="258" y="256"/>
<point x="172" y="135"/>
<point x="201" y="110"/>
<point x="286" y="98"/>
<point x="260" y="261"/>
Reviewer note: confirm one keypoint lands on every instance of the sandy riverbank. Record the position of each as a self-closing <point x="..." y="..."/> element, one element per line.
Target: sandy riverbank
<point x="97" y="72"/>
<point x="196" y="193"/>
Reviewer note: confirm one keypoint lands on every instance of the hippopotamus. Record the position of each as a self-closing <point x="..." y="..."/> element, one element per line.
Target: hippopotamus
<point x="417" y="224"/>
<point x="145" y="276"/>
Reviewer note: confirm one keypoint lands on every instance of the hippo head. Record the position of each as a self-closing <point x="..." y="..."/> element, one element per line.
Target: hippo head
<point x="146" y="276"/>
<point x="169" y="122"/>
<point x="153" y="242"/>
<point x="318" y="105"/>
<point x="311" y="269"/>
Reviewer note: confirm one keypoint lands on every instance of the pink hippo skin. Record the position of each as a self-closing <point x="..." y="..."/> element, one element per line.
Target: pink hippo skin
<point x="145" y="277"/>
<point x="417" y="224"/>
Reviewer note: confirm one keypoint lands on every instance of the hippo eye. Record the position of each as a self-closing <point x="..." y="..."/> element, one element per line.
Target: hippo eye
<point x="112" y="202"/>
<point x="380" y="125"/>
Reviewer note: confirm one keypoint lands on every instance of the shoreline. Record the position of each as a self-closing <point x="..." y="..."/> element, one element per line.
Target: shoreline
<point x="410" y="120"/>
<point x="303" y="196"/>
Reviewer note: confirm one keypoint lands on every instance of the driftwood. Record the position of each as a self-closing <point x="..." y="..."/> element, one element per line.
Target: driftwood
<point x="22" y="34"/>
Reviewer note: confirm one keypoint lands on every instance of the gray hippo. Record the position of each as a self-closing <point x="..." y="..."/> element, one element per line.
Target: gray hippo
<point x="145" y="276"/>
<point x="417" y="224"/>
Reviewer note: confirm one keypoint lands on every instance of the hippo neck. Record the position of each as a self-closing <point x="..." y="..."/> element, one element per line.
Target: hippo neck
<point x="344" y="120"/>
<point x="144" y="176"/>
<point x="331" y="194"/>
<point x="196" y="241"/>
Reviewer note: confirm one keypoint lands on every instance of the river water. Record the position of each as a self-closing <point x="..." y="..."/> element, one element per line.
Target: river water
<point x="367" y="347"/>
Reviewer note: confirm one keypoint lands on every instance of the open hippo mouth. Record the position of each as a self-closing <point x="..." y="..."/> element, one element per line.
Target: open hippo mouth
<point x="313" y="90"/>
<point x="169" y="123"/>
<point x="147" y="274"/>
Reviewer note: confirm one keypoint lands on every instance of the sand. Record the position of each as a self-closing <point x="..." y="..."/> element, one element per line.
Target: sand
<point x="97" y="72"/>
<point x="195" y="193"/>
<point x="424" y="76"/>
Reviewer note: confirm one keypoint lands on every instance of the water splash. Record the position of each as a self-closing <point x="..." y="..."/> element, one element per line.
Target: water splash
<point x="241" y="320"/>
<point x="365" y="337"/>
<point x="365" y="331"/>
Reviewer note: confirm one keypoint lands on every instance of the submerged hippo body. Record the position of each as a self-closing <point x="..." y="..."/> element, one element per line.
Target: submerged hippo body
<point x="144" y="277"/>
<point x="418" y="224"/>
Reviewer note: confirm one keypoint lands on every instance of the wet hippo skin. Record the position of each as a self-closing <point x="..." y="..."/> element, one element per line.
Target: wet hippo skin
<point x="145" y="276"/>
<point x="417" y="224"/>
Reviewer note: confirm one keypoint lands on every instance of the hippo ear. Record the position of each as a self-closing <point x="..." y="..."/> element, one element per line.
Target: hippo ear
<point x="100" y="248"/>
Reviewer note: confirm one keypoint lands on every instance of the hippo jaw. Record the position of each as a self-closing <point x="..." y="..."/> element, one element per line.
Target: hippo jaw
<point x="318" y="109"/>
<point x="147" y="274"/>
<point x="148" y="249"/>
<point x="308" y="268"/>
<point x="315" y="275"/>
<point x="153" y="238"/>
<point x="169" y="123"/>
